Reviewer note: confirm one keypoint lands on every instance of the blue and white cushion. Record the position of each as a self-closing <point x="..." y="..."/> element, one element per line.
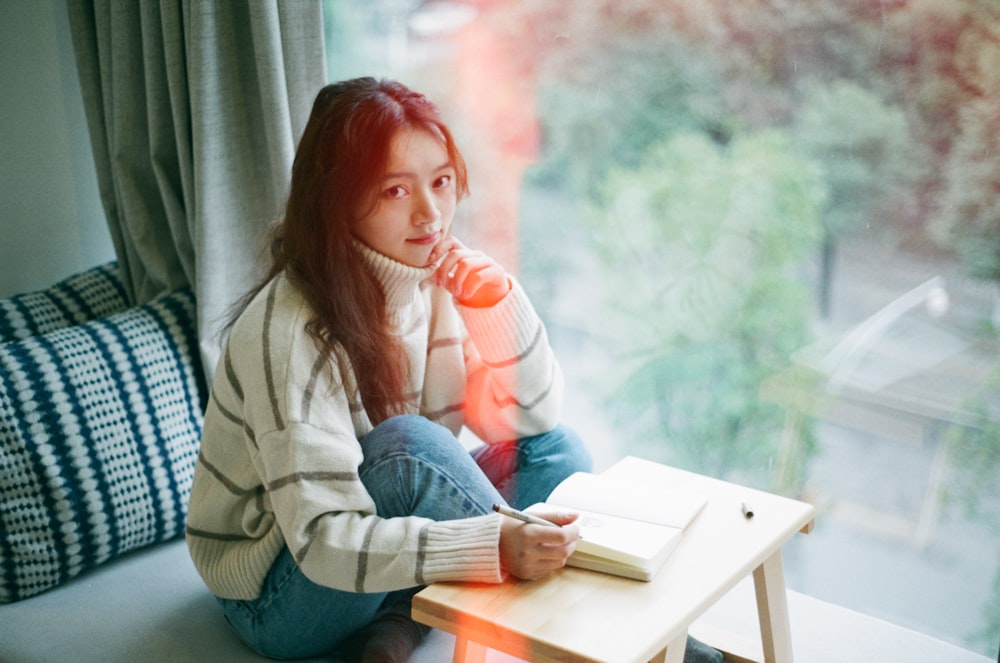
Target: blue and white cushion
<point x="99" y="431"/>
<point x="95" y="293"/>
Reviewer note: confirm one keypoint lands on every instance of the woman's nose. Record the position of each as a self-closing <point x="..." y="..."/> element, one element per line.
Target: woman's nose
<point x="426" y="209"/>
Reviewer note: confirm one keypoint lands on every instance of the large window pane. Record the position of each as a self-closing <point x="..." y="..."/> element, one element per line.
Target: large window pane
<point x="766" y="240"/>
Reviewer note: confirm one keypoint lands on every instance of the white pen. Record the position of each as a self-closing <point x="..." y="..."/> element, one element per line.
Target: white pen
<point x="522" y="516"/>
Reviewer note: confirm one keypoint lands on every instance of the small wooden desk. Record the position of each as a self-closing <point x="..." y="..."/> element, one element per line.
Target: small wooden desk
<point x="577" y="615"/>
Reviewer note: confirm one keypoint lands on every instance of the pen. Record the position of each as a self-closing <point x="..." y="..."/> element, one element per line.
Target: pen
<point x="522" y="516"/>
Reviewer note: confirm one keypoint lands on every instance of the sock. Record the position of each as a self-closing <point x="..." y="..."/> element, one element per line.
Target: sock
<point x="698" y="652"/>
<point x="391" y="638"/>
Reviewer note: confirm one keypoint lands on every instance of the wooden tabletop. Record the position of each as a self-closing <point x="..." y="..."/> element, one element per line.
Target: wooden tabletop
<point x="577" y="615"/>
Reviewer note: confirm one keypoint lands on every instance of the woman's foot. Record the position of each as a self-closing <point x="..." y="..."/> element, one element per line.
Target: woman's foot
<point x="698" y="652"/>
<point x="390" y="638"/>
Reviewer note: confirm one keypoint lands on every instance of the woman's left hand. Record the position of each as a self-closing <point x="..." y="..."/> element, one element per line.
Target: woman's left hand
<point x="471" y="276"/>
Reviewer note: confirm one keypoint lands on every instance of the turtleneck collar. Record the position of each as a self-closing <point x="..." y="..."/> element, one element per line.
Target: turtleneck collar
<point x="401" y="282"/>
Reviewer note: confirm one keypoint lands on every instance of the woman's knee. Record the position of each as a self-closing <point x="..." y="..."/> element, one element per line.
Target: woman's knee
<point x="543" y="461"/>
<point x="406" y="435"/>
<point x="414" y="466"/>
<point x="576" y="451"/>
<point x="561" y="447"/>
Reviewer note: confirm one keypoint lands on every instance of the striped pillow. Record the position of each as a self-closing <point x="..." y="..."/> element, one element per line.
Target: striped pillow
<point x="99" y="431"/>
<point x="95" y="293"/>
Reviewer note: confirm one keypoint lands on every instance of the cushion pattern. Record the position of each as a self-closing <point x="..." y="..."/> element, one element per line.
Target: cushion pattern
<point x="99" y="431"/>
<point x="95" y="293"/>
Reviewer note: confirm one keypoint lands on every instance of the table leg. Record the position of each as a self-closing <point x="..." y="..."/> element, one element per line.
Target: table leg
<point x="467" y="651"/>
<point x="772" y="610"/>
<point x="674" y="653"/>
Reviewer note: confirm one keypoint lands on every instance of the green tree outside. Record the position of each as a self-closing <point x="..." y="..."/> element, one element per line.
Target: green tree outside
<point x="700" y="246"/>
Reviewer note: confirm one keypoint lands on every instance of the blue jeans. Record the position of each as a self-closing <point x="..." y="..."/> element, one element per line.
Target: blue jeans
<point x="411" y="466"/>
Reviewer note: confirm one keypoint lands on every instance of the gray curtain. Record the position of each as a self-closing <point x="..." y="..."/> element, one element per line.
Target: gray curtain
<point x="194" y="109"/>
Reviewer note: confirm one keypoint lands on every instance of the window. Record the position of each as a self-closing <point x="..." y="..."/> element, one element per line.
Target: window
<point x="766" y="241"/>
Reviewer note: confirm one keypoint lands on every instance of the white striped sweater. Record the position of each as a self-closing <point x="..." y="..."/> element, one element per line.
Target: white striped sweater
<point x="279" y="456"/>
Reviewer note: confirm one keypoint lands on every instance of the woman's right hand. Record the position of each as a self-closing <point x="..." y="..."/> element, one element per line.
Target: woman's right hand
<point x="529" y="551"/>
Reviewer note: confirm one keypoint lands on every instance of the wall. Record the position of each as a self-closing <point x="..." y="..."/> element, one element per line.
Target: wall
<point x="51" y="220"/>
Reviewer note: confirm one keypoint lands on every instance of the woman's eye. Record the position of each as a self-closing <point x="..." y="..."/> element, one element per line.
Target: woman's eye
<point x="443" y="181"/>
<point x="394" y="192"/>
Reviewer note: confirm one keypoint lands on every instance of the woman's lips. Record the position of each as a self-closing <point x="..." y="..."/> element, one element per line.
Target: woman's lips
<point x="425" y="240"/>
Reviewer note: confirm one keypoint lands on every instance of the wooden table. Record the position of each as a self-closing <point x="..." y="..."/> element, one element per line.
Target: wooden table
<point x="577" y="615"/>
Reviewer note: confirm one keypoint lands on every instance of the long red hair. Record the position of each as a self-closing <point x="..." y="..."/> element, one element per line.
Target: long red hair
<point x="343" y="153"/>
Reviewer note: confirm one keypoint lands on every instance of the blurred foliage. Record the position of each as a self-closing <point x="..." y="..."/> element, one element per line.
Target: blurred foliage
<point x="975" y="455"/>
<point x="898" y="100"/>
<point x="869" y="158"/>
<point x="894" y="105"/>
<point x="701" y="298"/>
<point x="986" y="634"/>
<point x="975" y="463"/>
<point x="605" y="108"/>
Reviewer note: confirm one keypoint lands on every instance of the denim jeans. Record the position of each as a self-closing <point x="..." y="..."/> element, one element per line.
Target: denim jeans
<point x="411" y="466"/>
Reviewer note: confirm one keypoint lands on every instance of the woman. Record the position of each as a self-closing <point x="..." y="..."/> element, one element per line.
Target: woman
<point x="330" y="483"/>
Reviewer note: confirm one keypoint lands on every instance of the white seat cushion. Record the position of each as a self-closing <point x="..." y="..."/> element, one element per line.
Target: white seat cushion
<point x="149" y="606"/>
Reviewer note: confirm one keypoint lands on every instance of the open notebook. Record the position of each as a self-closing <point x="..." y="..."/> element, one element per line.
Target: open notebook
<point x="627" y="529"/>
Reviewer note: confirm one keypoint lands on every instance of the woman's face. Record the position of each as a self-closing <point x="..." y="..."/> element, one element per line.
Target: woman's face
<point x="415" y="200"/>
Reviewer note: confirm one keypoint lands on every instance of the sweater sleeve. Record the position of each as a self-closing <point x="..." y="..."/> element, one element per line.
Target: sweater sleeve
<point x="329" y="521"/>
<point x="308" y="461"/>
<point x="280" y="464"/>
<point x="514" y="384"/>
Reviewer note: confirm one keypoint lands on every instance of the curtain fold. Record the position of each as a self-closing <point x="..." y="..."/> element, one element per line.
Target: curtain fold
<point x="194" y="109"/>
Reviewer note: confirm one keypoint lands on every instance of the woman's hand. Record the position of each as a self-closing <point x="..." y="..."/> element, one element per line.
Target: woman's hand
<point x="530" y="551"/>
<point x="471" y="276"/>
